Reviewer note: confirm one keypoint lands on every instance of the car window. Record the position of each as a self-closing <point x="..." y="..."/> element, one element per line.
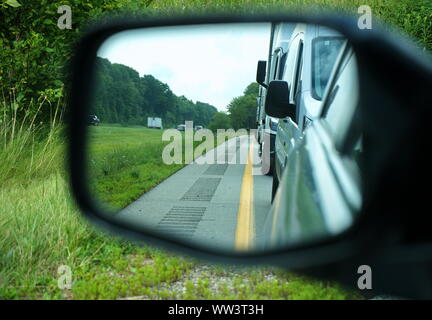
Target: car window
<point x="342" y="99"/>
<point x="275" y="68"/>
<point x="325" y="51"/>
<point x="291" y="64"/>
<point x="297" y="82"/>
<point x="281" y="66"/>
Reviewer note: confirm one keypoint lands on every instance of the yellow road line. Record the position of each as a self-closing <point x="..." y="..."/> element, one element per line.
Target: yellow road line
<point x="245" y="218"/>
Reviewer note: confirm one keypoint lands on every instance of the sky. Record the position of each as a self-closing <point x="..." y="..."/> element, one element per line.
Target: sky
<point x="207" y="63"/>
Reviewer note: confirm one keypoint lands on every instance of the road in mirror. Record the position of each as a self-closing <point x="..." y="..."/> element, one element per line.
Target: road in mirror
<point x="227" y="136"/>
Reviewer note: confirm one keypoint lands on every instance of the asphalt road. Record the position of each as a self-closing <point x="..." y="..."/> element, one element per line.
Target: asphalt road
<point x="223" y="204"/>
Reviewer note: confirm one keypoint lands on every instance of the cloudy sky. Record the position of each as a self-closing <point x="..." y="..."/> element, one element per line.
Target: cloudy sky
<point x="208" y="63"/>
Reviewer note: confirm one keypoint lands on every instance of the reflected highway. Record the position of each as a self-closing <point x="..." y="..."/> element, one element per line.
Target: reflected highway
<point x="223" y="204"/>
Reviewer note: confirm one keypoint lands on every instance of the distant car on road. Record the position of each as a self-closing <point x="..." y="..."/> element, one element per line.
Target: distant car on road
<point x="198" y="128"/>
<point x="93" y="120"/>
<point x="181" y="127"/>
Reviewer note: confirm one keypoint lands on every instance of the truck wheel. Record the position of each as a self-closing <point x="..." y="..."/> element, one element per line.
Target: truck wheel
<point x="275" y="186"/>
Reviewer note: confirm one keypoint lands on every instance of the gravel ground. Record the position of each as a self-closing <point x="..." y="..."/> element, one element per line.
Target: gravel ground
<point x="219" y="277"/>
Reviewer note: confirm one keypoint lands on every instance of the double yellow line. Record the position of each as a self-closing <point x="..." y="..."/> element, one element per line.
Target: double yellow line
<point x="245" y="219"/>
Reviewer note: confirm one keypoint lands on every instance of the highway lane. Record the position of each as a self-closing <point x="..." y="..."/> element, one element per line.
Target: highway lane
<point x="223" y="204"/>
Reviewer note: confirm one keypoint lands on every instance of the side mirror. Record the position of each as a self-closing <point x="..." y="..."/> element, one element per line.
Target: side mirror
<point x="349" y="201"/>
<point x="261" y="72"/>
<point x="277" y="100"/>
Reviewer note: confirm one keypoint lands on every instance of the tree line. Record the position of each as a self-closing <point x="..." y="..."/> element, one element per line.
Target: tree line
<point x="122" y="96"/>
<point x="241" y="111"/>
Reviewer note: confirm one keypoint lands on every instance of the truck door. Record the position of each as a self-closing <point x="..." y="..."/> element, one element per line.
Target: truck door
<point x="319" y="193"/>
<point x="288" y="131"/>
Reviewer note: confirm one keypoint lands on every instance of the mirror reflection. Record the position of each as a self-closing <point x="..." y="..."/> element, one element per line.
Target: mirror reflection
<point x="230" y="136"/>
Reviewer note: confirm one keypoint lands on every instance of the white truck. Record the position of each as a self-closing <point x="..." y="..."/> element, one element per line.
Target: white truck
<point x="155" y="123"/>
<point x="267" y="71"/>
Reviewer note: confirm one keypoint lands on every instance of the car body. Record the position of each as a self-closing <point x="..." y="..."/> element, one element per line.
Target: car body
<point x="392" y="233"/>
<point x="93" y="120"/>
<point x="181" y="127"/>
<point x="198" y="128"/>
<point x="266" y="125"/>
<point x="312" y="52"/>
<point x="319" y="191"/>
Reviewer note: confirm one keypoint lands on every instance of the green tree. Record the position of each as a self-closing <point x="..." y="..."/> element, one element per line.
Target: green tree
<point x="242" y="110"/>
<point x="220" y="121"/>
<point x="35" y="52"/>
<point x="122" y="96"/>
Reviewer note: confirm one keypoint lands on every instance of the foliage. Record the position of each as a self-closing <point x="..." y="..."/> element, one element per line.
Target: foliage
<point x="125" y="162"/>
<point x="35" y="52"/>
<point x="242" y="110"/>
<point x="122" y="96"/>
<point x="220" y="121"/>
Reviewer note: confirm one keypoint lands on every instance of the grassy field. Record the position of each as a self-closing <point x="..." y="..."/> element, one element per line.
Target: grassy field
<point x="126" y="162"/>
<point x="41" y="229"/>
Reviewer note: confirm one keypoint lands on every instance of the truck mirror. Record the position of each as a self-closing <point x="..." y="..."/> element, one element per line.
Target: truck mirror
<point x="261" y="72"/>
<point x="277" y="102"/>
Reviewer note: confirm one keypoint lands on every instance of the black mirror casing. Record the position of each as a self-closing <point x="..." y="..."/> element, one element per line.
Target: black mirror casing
<point x="261" y="73"/>
<point x="392" y="233"/>
<point x="277" y="100"/>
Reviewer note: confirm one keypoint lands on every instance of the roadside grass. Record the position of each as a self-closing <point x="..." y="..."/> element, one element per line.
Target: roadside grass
<point x="125" y="162"/>
<point x="41" y="229"/>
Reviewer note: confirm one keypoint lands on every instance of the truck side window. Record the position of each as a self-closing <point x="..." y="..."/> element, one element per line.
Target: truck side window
<point x="341" y="114"/>
<point x="325" y="51"/>
<point x="281" y="66"/>
<point x="298" y="76"/>
<point x="340" y="107"/>
<point x="291" y="66"/>
<point x="276" y="67"/>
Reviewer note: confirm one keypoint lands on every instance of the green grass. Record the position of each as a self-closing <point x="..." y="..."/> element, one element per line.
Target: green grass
<point x="41" y="227"/>
<point x="125" y="163"/>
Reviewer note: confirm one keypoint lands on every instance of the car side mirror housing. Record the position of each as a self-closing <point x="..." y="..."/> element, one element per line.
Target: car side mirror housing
<point x="390" y="222"/>
<point x="261" y="72"/>
<point x="277" y="102"/>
